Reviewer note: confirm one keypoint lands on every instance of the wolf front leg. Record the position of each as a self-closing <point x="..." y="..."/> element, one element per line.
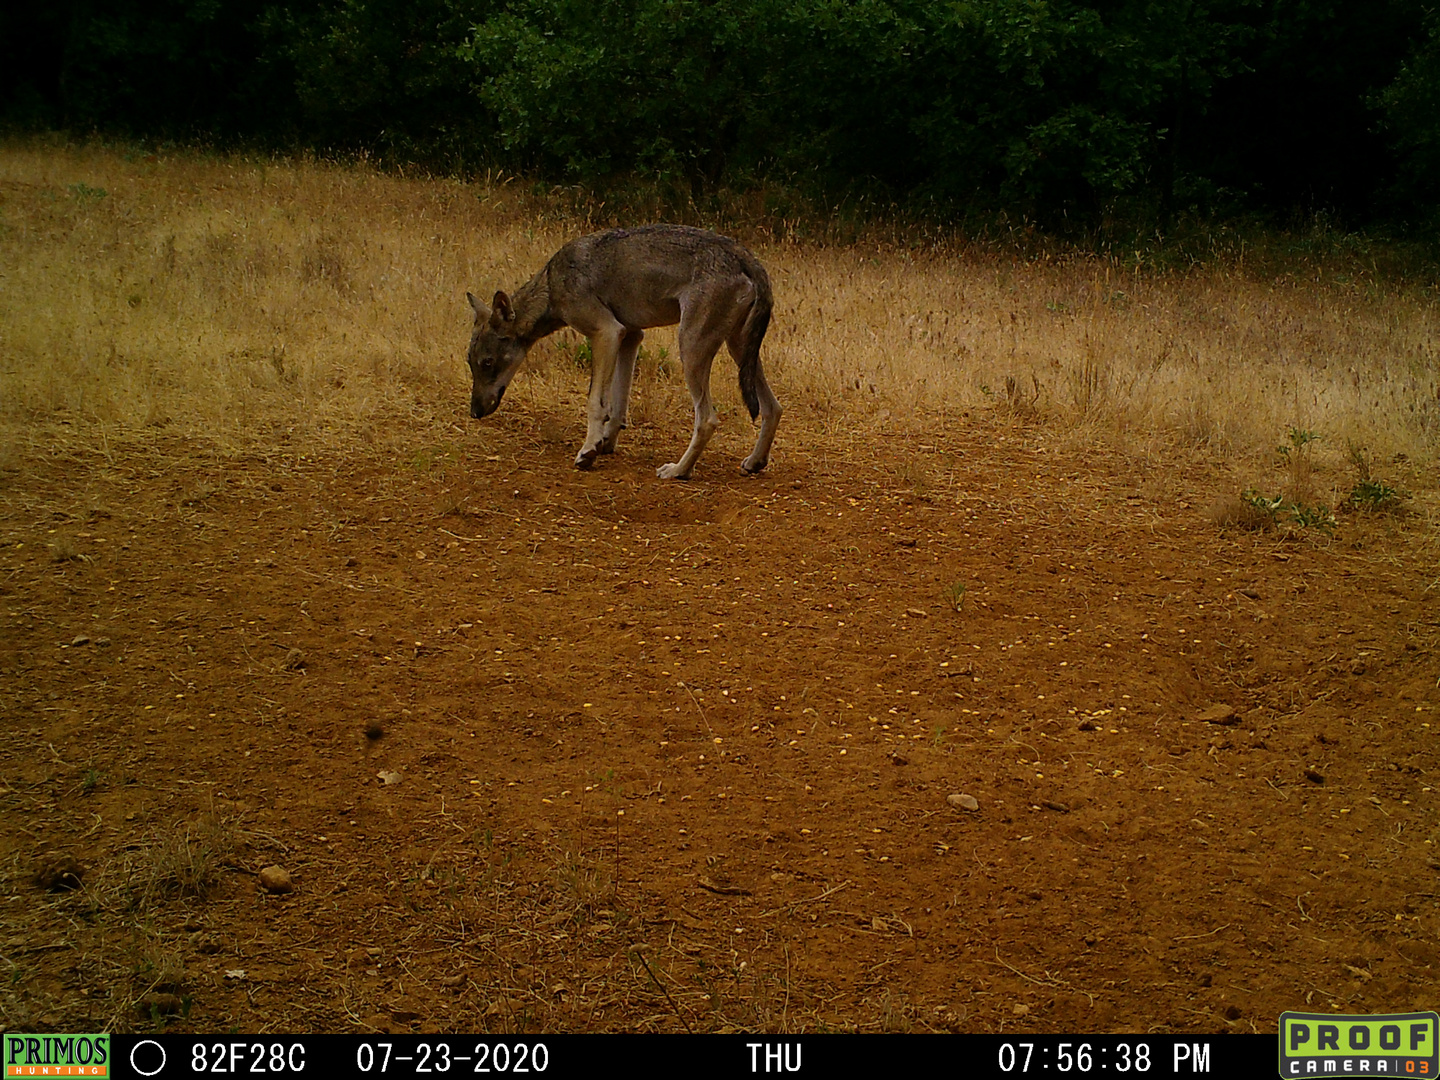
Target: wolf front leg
<point x="620" y="389"/>
<point x="605" y="351"/>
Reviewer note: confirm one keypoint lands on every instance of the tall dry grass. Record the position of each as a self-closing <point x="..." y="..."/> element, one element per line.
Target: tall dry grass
<point x="231" y="295"/>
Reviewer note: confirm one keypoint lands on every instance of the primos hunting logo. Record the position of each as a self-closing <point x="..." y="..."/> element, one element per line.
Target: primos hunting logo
<point x="56" y="1055"/>
<point x="1324" y="1044"/>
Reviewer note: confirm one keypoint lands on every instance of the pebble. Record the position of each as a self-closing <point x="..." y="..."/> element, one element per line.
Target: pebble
<point x="963" y="802"/>
<point x="80" y="639"/>
<point x="276" y="879"/>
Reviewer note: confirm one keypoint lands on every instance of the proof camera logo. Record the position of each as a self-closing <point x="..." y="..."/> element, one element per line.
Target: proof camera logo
<point x="1327" y="1044"/>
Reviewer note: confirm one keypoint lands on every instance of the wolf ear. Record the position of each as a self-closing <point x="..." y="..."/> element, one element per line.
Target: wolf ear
<point x="481" y="311"/>
<point x="502" y="312"/>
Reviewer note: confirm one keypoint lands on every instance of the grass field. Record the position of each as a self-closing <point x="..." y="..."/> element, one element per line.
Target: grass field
<point x="221" y="294"/>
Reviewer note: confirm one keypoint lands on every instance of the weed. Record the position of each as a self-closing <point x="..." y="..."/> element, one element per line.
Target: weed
<point x="577" y="353"/>
<point x="84" y="193"/>
<point x="1376" y="496"/>
<point x="954" y="594"/>
<point x="1298" y="461"/>
<point x="90" y="780"/>
<point x="1370" y="493"/>
<point x="186" y="859"/>
<point x="1271" y="510"/>
<point x="63" y="549"/>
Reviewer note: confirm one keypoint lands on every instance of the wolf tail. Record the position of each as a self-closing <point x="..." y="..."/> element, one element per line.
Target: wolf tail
<point x="752" y="334"/>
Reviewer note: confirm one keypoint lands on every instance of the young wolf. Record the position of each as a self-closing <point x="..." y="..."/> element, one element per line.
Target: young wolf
<point x="614" y="285"/>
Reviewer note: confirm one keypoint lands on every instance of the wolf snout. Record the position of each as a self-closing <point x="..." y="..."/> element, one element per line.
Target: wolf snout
<point x="482" y="405"/>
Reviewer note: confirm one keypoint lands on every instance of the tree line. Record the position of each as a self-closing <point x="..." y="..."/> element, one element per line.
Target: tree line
<point x="1056" y="110"/>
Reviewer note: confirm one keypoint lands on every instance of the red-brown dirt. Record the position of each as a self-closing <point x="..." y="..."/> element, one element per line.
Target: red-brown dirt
<point x="679" y="756"/>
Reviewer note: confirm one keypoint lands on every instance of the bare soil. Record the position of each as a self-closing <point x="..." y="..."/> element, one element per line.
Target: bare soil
<point x="680" y="756"/>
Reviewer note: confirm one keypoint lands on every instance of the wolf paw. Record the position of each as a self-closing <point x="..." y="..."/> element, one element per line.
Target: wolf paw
<point x="585" y="458"/>
<point x="671" y="472"/>
<point x="752" y="466"/>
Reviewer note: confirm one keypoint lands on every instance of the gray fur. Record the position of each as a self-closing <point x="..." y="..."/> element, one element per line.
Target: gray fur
<point x="613" y="286"/>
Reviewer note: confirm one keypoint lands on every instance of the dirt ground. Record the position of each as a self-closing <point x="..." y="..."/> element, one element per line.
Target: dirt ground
<point x="544" y="750"/>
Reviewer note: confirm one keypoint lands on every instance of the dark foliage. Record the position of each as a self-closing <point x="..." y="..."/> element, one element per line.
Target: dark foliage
<point x="1055" y="109"/>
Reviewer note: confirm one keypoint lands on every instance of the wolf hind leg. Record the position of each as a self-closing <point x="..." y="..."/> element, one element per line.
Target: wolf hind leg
<point x="700" y="336"/>
<point x="770" y="409"/>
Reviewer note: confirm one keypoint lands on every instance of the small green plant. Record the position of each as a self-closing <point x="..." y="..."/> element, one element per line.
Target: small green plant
<point x="1312" y="517"/>
<point x="1273" y="509"/>
<point x="577" y="353"/>
<point x="1376" y="495"/>
<point x="954" y="594"/>
<point x="91" y="779"/>
<point x="85" y="193"/>
<point x="1267" y="505"/>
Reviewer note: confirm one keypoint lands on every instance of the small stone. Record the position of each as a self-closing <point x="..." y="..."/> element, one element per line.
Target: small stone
<point x="1058" y="807"/>
<point x="102" y="642"/>
<point x="453" y="981"/>
<point x="897" y="759"/>
<point x="276" y="879"/>
<point x="360" y="958"/>
<point x="389" y="777"/>
<point x="1315" y="776"/>
<point x="1021" y="1010"/>
<point x="78" y="640"/>
<point x="963" y="802"/>
<point x="1218" y="714"/>
<point x="1089" y="725"/>
<point x="917" y="613"/>
<point x="164" y="1004"/>
<point x="294" y="661"/>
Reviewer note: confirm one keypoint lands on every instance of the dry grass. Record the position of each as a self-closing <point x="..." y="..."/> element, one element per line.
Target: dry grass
<point x="243" y="298"/>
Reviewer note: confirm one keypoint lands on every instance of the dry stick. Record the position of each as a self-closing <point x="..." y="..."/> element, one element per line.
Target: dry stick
<point x="678" y="1014"/>
<point x="697" y="706"/>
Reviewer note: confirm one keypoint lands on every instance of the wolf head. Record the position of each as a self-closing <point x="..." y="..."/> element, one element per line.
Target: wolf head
<point x="496" y="353"/>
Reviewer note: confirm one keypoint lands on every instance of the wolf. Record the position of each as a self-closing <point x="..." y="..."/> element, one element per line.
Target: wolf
<point x="613" y="286"/>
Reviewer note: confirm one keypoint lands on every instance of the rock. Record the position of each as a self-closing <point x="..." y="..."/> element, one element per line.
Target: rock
<point x="1021" y="1010"/>
<point x="389" y="776"/>
<point x="1315" y="776"/>
<point x="896" y="759"/>
<point x="374" y="730"/>
<point x="102" y="642"/>
<point x="79" y="639"/>
<point x="963" y="802"/>
<point x="1218" y="714"/>
<point x="60" y="872"/>
<point x="276" y="879"/>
